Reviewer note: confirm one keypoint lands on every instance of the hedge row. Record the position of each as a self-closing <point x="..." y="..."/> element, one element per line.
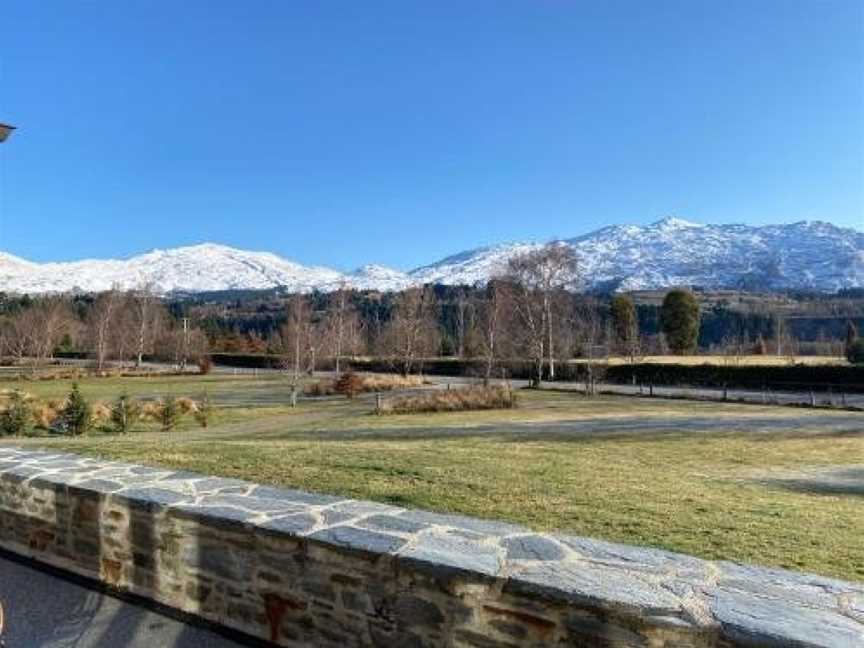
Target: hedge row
<point x="797" y="377"/>
<point x="780" y="377"/>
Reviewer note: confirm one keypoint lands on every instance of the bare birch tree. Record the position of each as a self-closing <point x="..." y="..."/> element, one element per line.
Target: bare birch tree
<point x="412" y="332"/>
<point x="537" y="277"/>
<point x="100" y="321"/>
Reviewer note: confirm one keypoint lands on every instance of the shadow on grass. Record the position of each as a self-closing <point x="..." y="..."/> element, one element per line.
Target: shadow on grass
<point x="580" y="431"/>
<point x="844" y="481"/>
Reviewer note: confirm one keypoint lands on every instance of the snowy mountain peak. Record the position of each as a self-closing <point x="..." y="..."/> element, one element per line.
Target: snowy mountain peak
<point x="672" y="223"/>
<point x="813" y="255"/>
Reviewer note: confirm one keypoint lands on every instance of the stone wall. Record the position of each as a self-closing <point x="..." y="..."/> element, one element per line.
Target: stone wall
<point x="303" y="569"/>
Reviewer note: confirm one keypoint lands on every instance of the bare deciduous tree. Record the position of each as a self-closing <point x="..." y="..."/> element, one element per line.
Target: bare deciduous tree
<point x="493" y="311"/>
<point x="412" y="332"/>
<point x="146" y="312"/>
<point x="100" y="321"/>
<point x="296" y="335"/>
<point x="538" y="277"/>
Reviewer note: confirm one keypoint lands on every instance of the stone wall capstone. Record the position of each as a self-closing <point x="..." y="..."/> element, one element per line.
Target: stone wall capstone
<point x="305" y="569"/>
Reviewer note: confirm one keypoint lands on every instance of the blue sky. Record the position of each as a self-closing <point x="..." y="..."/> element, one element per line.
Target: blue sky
<point x="398" y="132"/>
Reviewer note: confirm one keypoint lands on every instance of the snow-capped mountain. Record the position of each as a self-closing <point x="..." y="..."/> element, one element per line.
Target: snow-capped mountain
<point x="670" y="252"/>
<point x="195" y="268"/>
<point x="675" y="252"/>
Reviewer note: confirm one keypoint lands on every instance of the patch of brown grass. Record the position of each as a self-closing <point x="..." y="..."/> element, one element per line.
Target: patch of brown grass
<point x="364" y="383"/>
<point x="452" y="400"/>
<point x="100" y="412"/>
<point x="150" y="410"/>
<point x="186" y="405"/>
<point x="388" y="382"/>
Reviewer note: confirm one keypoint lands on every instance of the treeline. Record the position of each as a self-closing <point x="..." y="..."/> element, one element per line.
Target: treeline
<point x="115" y="325"/>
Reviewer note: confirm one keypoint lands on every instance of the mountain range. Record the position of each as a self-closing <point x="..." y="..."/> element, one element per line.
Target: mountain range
<point x="808" y="255"/>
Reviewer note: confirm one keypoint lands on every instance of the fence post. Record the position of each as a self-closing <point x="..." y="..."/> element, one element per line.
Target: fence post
<point x="764" y="396"/>
<point x="725" y="393"/>
<point x="641" y="391"/>
<point x="651" y="389"/>
<point x="812" y="399"/>
<point x="843" y="399"/>
<point x="378" y="402"/>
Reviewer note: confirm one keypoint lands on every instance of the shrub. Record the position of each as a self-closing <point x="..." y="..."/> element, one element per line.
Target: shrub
<point x="679" y="319"/>
<point x="855" y="351"/>
<point x="16" y="419"/>
<point x="203" y="411"/>
<point x="205" y="364"/>
<point x="452" y="400"/>
<point x="75" y="417"/>
<point x="323" y="387"/>
<point x="186" y="405"/>
<point x="123" y="414"/>
<point x="349" y="384"/>
<point x="169" y="414"/>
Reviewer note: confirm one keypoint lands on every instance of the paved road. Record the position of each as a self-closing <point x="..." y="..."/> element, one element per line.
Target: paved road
<point x="43" y="610"/>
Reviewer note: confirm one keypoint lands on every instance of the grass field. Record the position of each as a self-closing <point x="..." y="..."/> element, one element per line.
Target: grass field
<point x="770" y="485"/>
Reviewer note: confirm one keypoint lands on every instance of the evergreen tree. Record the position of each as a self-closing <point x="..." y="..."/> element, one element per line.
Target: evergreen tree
<point x="679" y="318"/>
<point x="205" y="409"/>
<point x="851" y="334"/>
<point x="15" y="419"/>
<point x="855" y="352"/>
<point x="123" y="413"/>
<point x="75" y="417"/>
<point x="625" y="324"/>
<point x="169" y="414"/>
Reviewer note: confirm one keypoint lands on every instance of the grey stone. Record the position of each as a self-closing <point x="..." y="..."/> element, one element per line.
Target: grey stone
<point x="391" y="523"/>
<point x="295" y="496"/>
<point x="445" y="554"/>
<point x="532" y="547"/>
<point x="486" y="527"/>
<point x="356" y="508"/>
<point x="330" y="517"/>
<point x="149" y="498"/>
<point x="412" y="611"/>
<point x="358" y="539"/>
<point x="778" y="583"/>
<point x="213" y="516"/>
<point x="256" y="504"/>
<point x="296" y="524"/>
<point x="594" y="585"/>
<point x="100" y="485"/>
<point x="218" y="484"/>
<point x="758" y="621"/>
<point x="631" y="557"/>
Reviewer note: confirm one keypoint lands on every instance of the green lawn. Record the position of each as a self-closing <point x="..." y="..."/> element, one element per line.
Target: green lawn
<point x="715" y="480"/>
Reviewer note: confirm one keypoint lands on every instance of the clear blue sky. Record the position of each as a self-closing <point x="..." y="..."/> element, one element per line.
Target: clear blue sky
<point x="348" y="132"/>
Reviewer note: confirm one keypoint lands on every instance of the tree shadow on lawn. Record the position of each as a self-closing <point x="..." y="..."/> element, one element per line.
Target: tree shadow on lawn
<point x="755" y="429"/>
<point x="839" y="481"/>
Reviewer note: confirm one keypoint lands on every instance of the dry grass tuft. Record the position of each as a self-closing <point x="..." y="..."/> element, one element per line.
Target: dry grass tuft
<point x="186" y="405"/>
<point x="150" y="410"/>
<point x="388" y="382"/>
<point x="452" y="400"/>
<point x="100" y="412"/>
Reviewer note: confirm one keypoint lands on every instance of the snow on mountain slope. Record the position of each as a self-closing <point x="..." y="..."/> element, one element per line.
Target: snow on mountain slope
<point x="806" y="255"/>
<point x="195" y="268"/>
<point x="674" y="252"/>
